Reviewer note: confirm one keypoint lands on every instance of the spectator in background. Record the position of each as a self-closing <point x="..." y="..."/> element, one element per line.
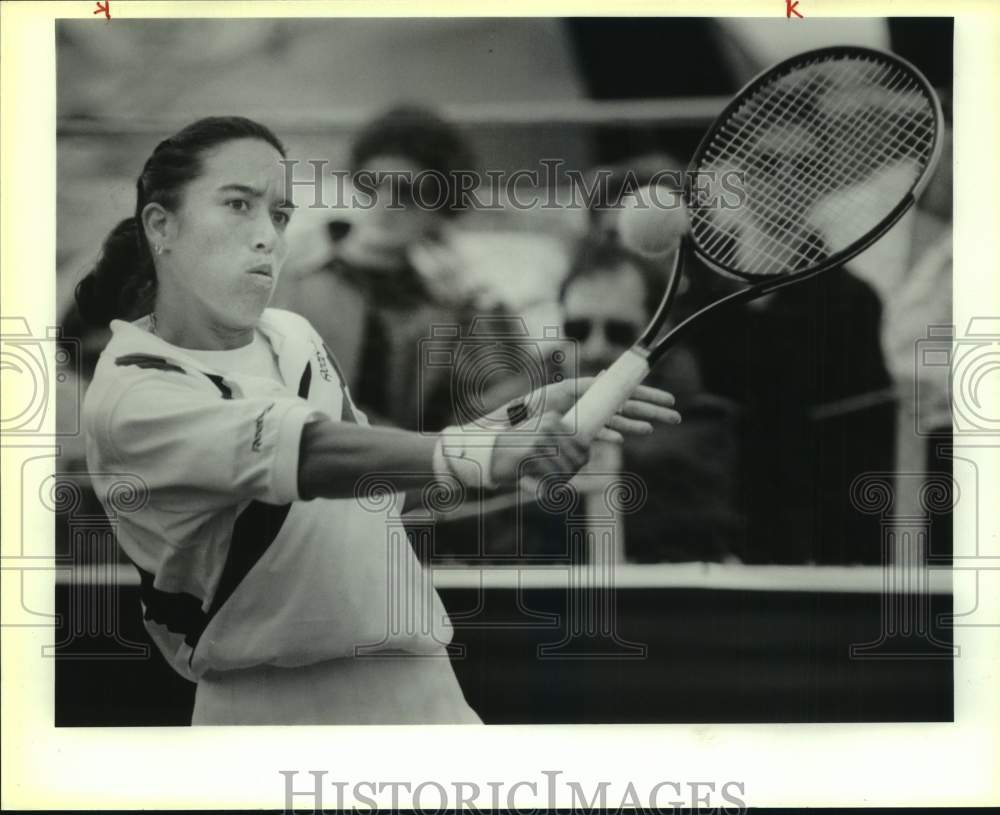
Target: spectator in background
<point x="690" y="472"/>
<point x="923" y="298"/>
<point x="802" y="363"/>
<point x="623" y="181"/>
<point x="911" y="268"/>
<point x="392" y="275"/>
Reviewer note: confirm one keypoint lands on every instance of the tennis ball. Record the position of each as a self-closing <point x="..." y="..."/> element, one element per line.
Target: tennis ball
<point x="653" y="221"/>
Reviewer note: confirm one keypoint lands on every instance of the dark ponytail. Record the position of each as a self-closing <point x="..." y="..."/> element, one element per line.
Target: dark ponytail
<point x="122" y="284"/>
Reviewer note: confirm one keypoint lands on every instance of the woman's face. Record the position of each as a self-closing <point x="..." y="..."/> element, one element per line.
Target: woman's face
<point x="226" y="240"/>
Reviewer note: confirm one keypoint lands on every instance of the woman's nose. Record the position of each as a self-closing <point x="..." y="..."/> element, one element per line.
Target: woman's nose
<point x="265" y="235"/>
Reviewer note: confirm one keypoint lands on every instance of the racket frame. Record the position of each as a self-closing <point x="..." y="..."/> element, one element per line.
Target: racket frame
<point x="761" y="286"/>
<point x="612" y="389"/>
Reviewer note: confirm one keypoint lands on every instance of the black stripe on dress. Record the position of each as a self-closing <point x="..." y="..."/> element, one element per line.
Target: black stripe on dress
<point x="255" y="529"/>
<point x="253" y="533"/>
<point x="148" y="361"/>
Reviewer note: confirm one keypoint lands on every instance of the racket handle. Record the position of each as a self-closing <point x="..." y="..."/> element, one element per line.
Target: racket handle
<point x="602" y="400"/>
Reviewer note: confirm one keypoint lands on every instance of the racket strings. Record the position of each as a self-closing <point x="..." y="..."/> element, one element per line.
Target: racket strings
<point x="851" y="134"/>
<point x="757" y="107"/>
<point x="824" y="138"/>
<point x="791" y="196"/>
<point x="786" y="207"/>
<point x="791" y="200"/>
<point x="828" y="154"/>
<point x="866" y="204"/>
<point x="817" y="168"/>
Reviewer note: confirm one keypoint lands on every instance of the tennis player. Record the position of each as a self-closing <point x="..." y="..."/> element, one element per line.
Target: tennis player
<point x="264" y="578"/>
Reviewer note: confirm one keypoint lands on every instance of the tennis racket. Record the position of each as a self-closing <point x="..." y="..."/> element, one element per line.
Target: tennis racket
<point x="833" y="146"/>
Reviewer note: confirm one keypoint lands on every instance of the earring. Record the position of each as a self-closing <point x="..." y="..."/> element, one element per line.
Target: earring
<point x="158" y="249"/>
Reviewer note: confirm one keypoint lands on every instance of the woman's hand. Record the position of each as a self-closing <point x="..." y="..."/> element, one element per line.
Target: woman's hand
<point x="547" y="446"/>
<point x="550" y="448"/>
<point x="646" y="406"/>
<point x="532" y="442"/>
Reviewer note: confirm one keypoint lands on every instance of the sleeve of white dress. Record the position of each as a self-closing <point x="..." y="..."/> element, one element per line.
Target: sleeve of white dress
<point x="189" y="446"/>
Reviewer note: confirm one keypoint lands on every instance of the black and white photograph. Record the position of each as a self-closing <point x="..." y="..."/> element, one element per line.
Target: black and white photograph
<point x="501" y="371"/>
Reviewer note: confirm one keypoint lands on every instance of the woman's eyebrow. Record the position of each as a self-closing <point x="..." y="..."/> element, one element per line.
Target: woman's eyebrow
<point x="253" y="192"/>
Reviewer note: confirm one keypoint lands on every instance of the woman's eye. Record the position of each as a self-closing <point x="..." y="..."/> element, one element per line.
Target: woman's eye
<point x="239" y="204"/>
<point x="281" y="218"/>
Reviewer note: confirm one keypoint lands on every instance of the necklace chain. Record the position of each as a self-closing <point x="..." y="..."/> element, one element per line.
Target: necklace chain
<point x="152" y="323"/>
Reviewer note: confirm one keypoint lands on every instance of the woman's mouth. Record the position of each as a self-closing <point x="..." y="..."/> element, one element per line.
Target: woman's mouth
<point x="262" y="270"/>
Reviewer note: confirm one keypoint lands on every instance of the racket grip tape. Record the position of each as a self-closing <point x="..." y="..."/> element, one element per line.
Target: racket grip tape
<point x="604" y="398"/>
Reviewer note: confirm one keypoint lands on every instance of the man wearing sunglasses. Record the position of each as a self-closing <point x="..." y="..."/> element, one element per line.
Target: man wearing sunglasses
<point x="690" y="472"/>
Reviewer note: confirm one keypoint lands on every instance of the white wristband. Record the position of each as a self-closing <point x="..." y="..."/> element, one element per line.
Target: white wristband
<point x="467" y="455"/>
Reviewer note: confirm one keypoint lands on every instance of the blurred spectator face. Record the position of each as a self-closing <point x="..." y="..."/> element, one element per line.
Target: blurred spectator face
<point x="604" y="312"/>
<point x="400" y="216"/>
<point x="403" y="146"/>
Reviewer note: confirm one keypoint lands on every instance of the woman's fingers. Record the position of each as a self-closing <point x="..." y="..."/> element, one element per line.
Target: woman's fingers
<point x="644" y="393"/>
<point x="629" y="427"/>
<point x="609" y="435"/>
<point x="649" y="412"/>
<point x="647" y="393"/>
<point x="575" y="388"/>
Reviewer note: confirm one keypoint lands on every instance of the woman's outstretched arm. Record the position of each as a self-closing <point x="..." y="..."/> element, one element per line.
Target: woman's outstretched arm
<point x="335" y="456"/>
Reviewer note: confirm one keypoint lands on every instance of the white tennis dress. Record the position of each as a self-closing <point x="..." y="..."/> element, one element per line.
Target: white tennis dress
<point x="284" y="611"/>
